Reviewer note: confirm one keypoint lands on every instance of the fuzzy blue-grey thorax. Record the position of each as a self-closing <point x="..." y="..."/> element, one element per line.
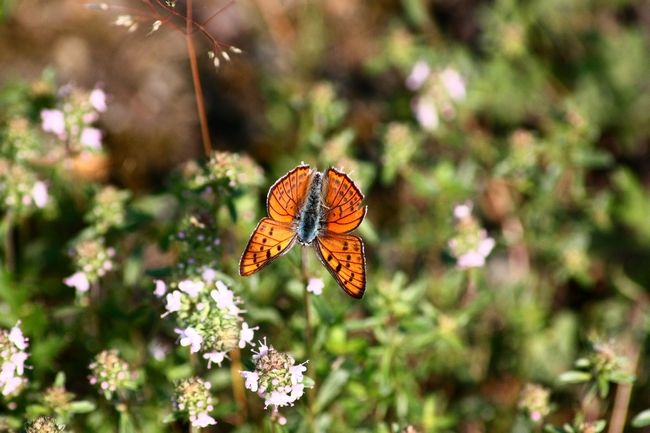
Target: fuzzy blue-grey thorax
<point x="308" y="221"/>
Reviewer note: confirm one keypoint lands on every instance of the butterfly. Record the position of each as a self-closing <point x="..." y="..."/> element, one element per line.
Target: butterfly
<point x="312" y="208"/>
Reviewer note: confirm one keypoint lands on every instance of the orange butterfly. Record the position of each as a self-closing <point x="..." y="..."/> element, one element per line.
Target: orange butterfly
<point x="307" y="206"/>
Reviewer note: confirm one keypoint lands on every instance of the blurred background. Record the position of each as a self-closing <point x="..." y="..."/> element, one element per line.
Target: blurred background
<point x="523" y="122"/>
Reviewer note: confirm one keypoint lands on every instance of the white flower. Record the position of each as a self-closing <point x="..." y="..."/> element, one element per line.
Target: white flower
<point x="53" y="121"/>
<point x="454" y="84"/>
<point x="471" y="259"/>
<point x="296" y="373"/>
<point x="174" y="301"/>
<point x="189" y="337"/>
<point x="16" y="337"/>
<point x="246" y="335"/>
<point x="277" y="399"/>
<point x="91" y="138"/>
<point x="209" y="274"/>
<point x="39" y="194"/>
<point x="203" y="420"/>
<point x="11" y="384"/>
<point x="464" y="210"/>
<point x="190" y="287"/>
<point x="315" y="286"/>
<point x="263" y="350"/>
<point x="161" y="288"/>
<point x="251" y="379"/>
<point x="224" y="298"/>
<point x="486" y="245"/>
<point x="18" y="360"/>
<point x="216" y="357"/>
<point x="98" y="100"/>
<point x="79" y="281"/>
<point x="426" y="114"/>
<point x="418" y="75"/>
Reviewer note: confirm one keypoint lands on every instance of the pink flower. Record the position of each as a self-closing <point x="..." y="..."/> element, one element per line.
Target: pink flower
<point x="251" y="379"/>
<point x="98" y="100"/>
<point x="79" y="281"/>
<point x="315" y="286"/>
<point x="418" y="75"/>
<point x="39" y="194"/>
<point x="203" y="420"/>
<point x="246" y="335"/>
<point x="454" y="84"/>
<point x="190" y="337"/>
<point x="174" y="302"/>
<point x="216" y="357"/>
<point x="91" y="138"/>
<point x="54" y="121"/>
<point x="426" y="114"/>
<point x="161" y="288"/>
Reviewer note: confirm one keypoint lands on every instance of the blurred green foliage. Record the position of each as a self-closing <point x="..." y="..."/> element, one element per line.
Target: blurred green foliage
<point x="537" y="112"/>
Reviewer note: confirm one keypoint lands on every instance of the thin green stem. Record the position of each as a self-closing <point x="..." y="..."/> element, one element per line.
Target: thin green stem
<point x="203" y="119"/>
<point x="10" y="254"/>
<point x="311" y="392"/>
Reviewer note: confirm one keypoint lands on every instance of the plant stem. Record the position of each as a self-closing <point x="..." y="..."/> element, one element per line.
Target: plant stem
<point x="10" y="256"/>
<point x="205" y="132"/>
<point x="623" y="390"/>
<point x="311" y="392"/>
<point x="238" y="388"/>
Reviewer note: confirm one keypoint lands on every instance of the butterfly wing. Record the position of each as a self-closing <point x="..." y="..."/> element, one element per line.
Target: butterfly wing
<point x="344" y="258"/>
<point x="341" y="198"/>
<point x="286" y="195"/>
<point x="270" y="240"/>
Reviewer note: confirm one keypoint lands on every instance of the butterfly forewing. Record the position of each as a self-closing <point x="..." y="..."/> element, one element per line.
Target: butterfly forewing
<point x="344" y="258"/>
<point x="270" y="240"/>
<point x="342" y="199"/>
<point x="286" y="195"/>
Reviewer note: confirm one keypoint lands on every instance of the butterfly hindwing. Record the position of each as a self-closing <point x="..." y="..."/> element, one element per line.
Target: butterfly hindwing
<point x="344" y="258"/>
<point x="270" y="240"/>
<point x="286" y="195"/>
<point x="341" y="198"/>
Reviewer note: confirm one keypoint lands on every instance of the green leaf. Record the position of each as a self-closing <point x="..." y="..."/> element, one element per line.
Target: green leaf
<point x="642" y="419"/>
<point x="583" y="363"/>
<point x="59" y="380"/>
<point x="550" y="428"/>
<point x="324" y="310"/>
<point x="159" y="273"/>
<point x="599" y="425"/>
<point x="622" y="377"/>
<point x="574" y="377"/>
<point x="126" y="425"/>
<point x="331" y="388"/>
<point x="83" y="406"/>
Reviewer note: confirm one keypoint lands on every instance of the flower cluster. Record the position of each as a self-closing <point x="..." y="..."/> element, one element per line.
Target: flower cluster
<point x="20" y="189"/>
<point x="208" y="315"/>
<point x="108" y="209"/>
<point x="197" y="242"/>
<point x="71" y="120"/>
<point x="43" y="424"/>
<point x="534" y="400"/>
<point x="93" y="260"/>
<point x="437" y="92"/>
<point x="111" y="373"/>
<point x="471" y="245"/>
<point x="192" y="398"/>
<point x="12" y="360"/>
<point x="276" y="379"/>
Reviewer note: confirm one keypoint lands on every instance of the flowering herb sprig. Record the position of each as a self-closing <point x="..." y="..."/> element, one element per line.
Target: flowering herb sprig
<point x="438" y="91"/>
<point x="208" y="316"/>
<point x="192" y="399"/>
<point x="276" y="378"/>
<point x="603" y="365"/>
<point x="111" y="374"/>
<point x="534" y="400"/>
<point x="72" y="118"/>
<point x="92" y="260"/>
<point x="471" y="244"/>
<point x="12" y="360"/>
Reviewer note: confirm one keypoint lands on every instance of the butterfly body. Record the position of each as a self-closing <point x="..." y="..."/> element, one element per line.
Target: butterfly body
<point x="318" y="209"/>
<point x="308" y="222"/>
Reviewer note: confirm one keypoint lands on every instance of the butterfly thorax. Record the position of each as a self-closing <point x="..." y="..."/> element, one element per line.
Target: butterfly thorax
<point x="309" y="218"/>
